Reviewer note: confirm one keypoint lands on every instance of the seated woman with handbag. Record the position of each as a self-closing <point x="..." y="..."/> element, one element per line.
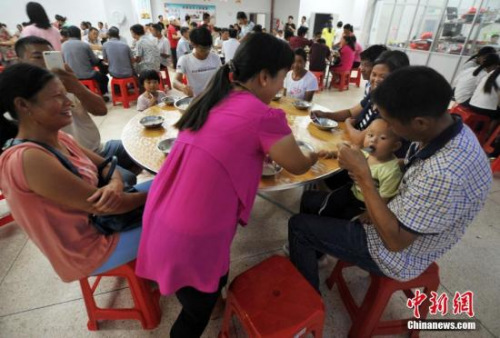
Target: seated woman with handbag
<point x="51" y="183"/>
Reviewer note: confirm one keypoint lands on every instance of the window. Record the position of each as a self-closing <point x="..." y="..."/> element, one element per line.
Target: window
<point x="428" y="17"/>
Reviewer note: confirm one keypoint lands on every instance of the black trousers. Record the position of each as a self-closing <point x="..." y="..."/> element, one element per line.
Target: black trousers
<point x="102" y="81"/>
<point x="174" y="56"/>
<point x="197" y="307"/>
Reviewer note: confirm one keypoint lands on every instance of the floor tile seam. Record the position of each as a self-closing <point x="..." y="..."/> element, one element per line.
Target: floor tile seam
<point x="59" y="303"/>
<point x="477" y="319"/>
<point x="14" y="261"/>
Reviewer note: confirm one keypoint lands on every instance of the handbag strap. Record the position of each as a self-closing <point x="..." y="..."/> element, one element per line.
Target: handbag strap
<point x="113" y="161"/>
<point x="64" y="161"/>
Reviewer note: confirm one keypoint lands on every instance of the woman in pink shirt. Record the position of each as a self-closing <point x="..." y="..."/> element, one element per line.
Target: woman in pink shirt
<point x="51" y="199"/>
<point x="347" y="54"/>
<point x="40" y="25"/>
<point x="209" y="181"/>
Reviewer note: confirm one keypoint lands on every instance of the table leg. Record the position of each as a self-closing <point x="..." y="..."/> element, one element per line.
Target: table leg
<point x="276" y="203"/>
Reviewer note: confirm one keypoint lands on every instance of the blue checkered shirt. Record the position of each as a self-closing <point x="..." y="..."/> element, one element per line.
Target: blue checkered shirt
<point x="438" y="198"/>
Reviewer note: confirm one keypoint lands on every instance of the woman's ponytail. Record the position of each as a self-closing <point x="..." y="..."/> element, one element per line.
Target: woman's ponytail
<point x="258" y="52"/>
<point x="488" y="61"/>
<point x="491" y="83"/>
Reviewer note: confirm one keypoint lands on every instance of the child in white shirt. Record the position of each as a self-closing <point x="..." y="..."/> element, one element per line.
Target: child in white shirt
<point x="150" y="81"/>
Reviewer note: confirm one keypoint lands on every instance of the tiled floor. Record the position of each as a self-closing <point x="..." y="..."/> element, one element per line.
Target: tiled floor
<point x="35" y="303"/>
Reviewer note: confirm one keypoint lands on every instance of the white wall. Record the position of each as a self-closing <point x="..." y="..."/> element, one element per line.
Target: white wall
<point x="13" y="12"/>
<point x="225" y="11"/>
<point x="285" y="8"/>
<point x="349" y="11"/>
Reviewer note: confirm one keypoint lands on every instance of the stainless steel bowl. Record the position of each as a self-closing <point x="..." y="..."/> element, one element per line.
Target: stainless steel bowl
<point x="166" y="145"/>
<point x="302" y="105"/>
<point x="271" y="169"/>
<point x="183" y="104"/>
<point x="324" y="123"/>
<point x="152" y="121"/>
<point x="305" y="147"/>
<point x="277" y="97"/>
<point x="169" y="100"/>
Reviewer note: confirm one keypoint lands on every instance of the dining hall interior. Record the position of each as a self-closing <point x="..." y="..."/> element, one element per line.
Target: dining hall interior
<point x="235" y="168"/>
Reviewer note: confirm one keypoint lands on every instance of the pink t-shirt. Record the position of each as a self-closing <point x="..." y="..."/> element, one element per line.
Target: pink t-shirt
<point x="346" y="59"/>
<point x="50" y="34"/>
<point x="357" y="52"/>
<point x="205" y="188"/>
<point x="64" y="235"/>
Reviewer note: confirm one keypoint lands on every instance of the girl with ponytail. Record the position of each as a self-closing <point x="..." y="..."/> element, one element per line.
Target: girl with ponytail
<point x="470" y="78"/>
<point x="209" y="181"/>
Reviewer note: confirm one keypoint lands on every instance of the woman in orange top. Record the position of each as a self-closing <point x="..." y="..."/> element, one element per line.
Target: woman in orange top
<point x="49" y="202"/>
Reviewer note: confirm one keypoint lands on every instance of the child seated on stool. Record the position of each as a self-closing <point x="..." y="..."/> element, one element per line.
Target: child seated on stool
<point x="150" y="81"/>
<point x="381" y="142"/>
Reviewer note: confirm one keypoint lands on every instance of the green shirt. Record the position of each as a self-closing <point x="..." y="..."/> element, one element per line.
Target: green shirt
<point x="386" y="176"/>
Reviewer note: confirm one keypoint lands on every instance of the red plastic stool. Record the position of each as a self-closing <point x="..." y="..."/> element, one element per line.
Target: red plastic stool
<point x="272" y="299"/>
<point x="366" y="318"/>
<point x="343" y="84"/>
<point x="92" y="86"/>
<point x="6" y="219"/>
<point x="146" y="301"/>
<point x="478" y="123"/>
<point x="495" y="165"/>
<point x="488" y="145"/>
<point x="320" y="76"/>
<point x="123" y="93"/>
<point x="357" y="79"/>
<point x="2" y="68"/>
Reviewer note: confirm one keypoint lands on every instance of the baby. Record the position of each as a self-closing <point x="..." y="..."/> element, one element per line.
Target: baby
<point x="150" y="81"/>
<point x="379" y="146"/>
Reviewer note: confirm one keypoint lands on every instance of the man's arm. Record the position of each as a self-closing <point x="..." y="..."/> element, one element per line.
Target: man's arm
<point x="386" y="223"/>
<point x="92" y="102"/>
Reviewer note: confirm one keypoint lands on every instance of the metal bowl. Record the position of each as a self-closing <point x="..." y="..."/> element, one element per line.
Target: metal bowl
<point x="302" y="105"/>
<point x="271" y="169"/>
<point x="169" y="100"/>
<point x="305" y="147"/>
<point x="152" y="121"/>
<point x="183" y="104"/>
<point x="166" y="145"/>
<point x="277" y="97"/>
<point x="324" y="124"/>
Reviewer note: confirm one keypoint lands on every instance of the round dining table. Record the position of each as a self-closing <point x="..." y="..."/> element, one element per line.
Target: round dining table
<point x="142" y="144"/>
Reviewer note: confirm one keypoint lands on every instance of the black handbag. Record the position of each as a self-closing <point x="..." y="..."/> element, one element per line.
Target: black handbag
<point x="105" y="224"/>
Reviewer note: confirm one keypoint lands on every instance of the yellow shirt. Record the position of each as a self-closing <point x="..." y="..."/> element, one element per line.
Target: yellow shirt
<point x="386" y="176"/>
<point x="328" y="36"/>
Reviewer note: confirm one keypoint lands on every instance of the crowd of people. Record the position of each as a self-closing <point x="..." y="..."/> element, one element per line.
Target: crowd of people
<point x="395" y="208"/>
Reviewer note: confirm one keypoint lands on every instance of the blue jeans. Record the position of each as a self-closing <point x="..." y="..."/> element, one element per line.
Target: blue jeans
<point x="115" y="148"/>
<point x="128" y="242"/>
<point x="310" y="234"/>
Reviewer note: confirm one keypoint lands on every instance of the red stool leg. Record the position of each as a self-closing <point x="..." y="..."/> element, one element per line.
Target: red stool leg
<point x="124" y="93"/>
<point x="488" y="145"/>
<point x="371" y="309"/>
<point x="90" y="305"/>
